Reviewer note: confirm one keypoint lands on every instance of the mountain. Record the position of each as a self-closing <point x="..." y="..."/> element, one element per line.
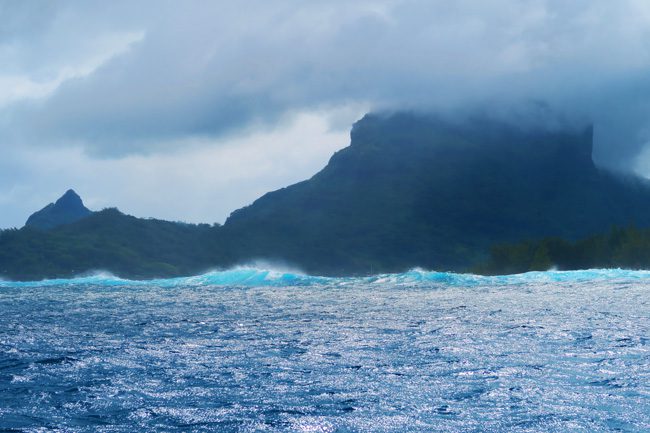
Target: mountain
<point x="414" y="190"/>
<point x="67" y="209"/>
<point x="411" y="190"/>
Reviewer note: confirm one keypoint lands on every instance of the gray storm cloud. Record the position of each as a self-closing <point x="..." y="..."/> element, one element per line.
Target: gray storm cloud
<point x="124" y="78"/>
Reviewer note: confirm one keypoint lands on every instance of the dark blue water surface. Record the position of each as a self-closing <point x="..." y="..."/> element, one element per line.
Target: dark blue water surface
<point x="248" y="350"/>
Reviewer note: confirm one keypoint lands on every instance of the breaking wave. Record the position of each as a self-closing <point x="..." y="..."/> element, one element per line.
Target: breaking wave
<point x="256" y="277"/>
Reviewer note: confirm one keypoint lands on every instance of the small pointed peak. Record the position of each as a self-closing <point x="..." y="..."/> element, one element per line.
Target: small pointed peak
<point x="70" y="193"/>
<point x="69" y="197"/>
<point x="67" y="209"/>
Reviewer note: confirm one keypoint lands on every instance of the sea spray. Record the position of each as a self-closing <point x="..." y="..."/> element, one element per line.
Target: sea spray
<point x="252" y="277"/>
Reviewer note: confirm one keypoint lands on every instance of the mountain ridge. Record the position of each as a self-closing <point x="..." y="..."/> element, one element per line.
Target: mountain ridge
<point x="411" y="190"/>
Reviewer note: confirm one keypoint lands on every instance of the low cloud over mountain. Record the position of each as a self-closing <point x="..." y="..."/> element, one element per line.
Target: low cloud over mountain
<point x="116" y="79"/>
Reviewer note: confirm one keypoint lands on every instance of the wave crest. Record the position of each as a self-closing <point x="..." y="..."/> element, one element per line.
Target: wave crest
<point x="256" y="277"/>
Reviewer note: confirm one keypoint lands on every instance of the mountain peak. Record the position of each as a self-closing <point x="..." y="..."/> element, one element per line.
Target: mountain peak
<point x="67" y="209"/>
<point x="70" y="198"/>
<point x="489" y="135"/>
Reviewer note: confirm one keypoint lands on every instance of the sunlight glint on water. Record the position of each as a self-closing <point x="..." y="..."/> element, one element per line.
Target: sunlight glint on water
<point x="254" y="350"/>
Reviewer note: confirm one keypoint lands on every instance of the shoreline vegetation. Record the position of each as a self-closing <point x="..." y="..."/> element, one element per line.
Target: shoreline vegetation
<point x="62" y="254"/>
<point x="619" y="248"/>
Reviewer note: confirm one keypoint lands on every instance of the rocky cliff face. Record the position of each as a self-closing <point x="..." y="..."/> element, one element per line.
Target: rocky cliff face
<point x="67" y="209"/>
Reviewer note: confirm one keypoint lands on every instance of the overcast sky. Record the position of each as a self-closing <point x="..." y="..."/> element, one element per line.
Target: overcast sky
<point x="188" y="110"/>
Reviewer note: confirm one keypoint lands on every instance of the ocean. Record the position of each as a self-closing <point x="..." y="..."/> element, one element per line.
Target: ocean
<point x="251" y="350"/>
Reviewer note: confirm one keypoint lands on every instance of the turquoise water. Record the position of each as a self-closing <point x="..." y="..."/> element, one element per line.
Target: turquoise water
<point x="255" y="350"/>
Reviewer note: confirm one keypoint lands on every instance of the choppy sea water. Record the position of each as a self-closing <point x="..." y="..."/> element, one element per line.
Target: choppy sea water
<point x="250" y="350"/>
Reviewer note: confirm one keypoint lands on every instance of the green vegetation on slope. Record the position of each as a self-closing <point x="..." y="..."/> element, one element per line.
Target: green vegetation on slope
<point x="627" y="248"/>
<point x="109" y="240"/>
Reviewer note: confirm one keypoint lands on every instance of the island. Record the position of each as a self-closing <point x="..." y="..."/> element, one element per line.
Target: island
<point x="411" y="190"/>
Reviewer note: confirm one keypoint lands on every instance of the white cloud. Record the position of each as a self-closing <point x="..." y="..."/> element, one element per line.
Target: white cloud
<point x="212" y="68"/>
<point x="17" y="87"/>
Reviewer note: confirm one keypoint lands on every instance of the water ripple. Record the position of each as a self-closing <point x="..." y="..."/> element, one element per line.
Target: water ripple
<point x="264" y="351"/>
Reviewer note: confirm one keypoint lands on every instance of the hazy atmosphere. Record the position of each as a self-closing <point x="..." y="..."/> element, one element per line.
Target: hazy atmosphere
<point x="187" y="113"/>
